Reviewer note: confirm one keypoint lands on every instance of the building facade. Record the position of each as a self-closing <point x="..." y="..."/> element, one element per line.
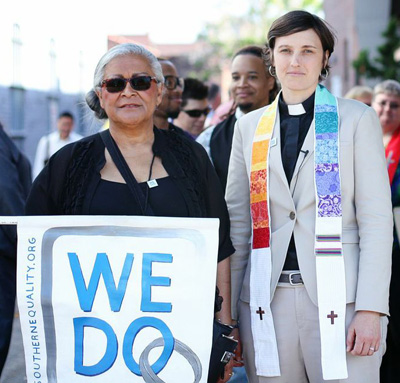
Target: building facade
<point x="359" y="25"/>
<point x="28" y="114"/>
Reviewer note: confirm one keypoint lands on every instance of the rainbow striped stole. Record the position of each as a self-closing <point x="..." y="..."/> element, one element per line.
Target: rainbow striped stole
<point x="328" y="242"/>
<point x="259" y="178"/>
<point x="328" y="245"/>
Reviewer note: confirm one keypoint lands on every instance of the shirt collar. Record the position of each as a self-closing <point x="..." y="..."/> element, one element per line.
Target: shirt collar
<point x="238" y="113"/>
<point x="306" y="106"/>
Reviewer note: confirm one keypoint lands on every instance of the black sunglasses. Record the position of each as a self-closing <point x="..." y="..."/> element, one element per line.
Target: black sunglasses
<point x="171" y="82"/>
<point x="196" y="113"/>
<point x="118" y="84"/>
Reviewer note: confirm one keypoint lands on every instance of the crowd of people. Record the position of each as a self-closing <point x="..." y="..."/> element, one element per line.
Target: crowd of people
<point x="303" y="183"/>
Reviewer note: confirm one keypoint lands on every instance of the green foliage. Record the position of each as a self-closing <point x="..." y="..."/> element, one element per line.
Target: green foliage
<point x="363" y="66"/>
<point x="202" y="71"/>
<point x="384" y="65"/>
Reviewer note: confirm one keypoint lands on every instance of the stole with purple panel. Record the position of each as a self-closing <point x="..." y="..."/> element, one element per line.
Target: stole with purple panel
<point x="328" y="245"/>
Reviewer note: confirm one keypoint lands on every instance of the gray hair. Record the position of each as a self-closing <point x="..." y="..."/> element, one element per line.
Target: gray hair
<point x="119" y="50"/>
<point x="390" y="87"/>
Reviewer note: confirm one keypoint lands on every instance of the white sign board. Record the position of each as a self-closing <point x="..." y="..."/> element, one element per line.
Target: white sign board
<point x="116" y="299"/>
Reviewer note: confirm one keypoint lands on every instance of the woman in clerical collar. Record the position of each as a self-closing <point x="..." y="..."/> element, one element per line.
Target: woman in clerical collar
<point x="311" y="221"/>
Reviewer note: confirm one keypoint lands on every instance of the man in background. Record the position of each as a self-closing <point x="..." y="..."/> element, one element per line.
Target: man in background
<point x="194" y="108"/>
<point x="252" y="87"/>
<point x="15" y="182"/>
<point x="214" y="101"/>
<point x="170" y="105"/>
<point x="54" y="141"/>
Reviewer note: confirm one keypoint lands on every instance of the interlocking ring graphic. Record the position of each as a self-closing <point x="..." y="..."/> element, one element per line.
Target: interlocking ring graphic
<point x="148" y="374"/>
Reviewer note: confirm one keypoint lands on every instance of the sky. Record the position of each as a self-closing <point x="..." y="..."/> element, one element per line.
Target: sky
<point x="80" y="28"/>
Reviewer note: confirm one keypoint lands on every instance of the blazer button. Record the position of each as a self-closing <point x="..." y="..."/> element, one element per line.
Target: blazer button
<point x="292" y="215"/>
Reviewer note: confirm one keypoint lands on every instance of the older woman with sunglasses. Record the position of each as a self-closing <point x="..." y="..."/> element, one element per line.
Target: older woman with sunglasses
<point x="134" y="168"/>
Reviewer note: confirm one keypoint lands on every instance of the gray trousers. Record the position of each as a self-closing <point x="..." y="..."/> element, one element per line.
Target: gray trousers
<point x="297" y="331"/>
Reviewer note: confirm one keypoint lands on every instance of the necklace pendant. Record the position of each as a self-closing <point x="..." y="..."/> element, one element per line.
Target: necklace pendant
<point x="152" y="183"/>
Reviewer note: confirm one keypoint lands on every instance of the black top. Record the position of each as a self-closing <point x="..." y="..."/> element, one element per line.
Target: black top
<point x="221" y="146"/>
<point x="122" y="202"/>
<point x="179" y="130"/>
<point x="302" y="122"/>
<point x="15" y="182"/>
<point x="290" y="148"/>
<point x="68" y="183"/>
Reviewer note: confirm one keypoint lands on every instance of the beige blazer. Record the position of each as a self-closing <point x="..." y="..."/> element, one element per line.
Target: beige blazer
<point x="366" y="204"/>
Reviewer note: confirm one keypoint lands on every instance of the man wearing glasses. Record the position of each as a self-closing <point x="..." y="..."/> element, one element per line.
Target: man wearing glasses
<point x="386" y="102"/>
<point x="194" y="107"/>
<point x="170" y="105"/>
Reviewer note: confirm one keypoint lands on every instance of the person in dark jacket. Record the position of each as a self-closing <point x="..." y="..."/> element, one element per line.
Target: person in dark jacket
<point x="15" y="182"/>
<point x="252" y="87"/>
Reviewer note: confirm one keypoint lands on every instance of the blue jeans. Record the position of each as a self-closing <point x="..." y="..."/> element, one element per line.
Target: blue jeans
<point x="239" y="375"/>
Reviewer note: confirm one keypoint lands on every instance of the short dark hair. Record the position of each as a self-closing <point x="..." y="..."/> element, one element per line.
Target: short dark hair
<point x="213" y="90"/>
<point x="299" y="21"/>
<point x="194" y="89"/>
<point x="261" y="53"/>
<point x="249" y="50"/>
<point x="66" y="114"/>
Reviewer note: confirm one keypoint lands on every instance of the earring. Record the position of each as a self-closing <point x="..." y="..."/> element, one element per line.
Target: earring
<point x="324" y="73"/>
<point x="272" y="71"/>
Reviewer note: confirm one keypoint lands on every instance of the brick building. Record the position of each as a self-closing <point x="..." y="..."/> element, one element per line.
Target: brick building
<point x="182" y="55"/>
<point x="359" y="25"/>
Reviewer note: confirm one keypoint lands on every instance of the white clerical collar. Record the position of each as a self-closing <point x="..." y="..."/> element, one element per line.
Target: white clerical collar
<point x="296" y="110"/>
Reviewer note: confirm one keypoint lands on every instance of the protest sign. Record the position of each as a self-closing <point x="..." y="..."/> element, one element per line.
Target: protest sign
<point x="116" y="299"/>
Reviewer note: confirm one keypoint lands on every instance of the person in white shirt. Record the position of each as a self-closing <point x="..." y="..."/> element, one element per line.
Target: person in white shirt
<point x="54" y="141"/>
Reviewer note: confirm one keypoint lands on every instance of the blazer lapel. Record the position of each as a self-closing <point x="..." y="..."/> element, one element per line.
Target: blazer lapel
<point x="275" y="155"/>
<point x="306" y="153"/>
